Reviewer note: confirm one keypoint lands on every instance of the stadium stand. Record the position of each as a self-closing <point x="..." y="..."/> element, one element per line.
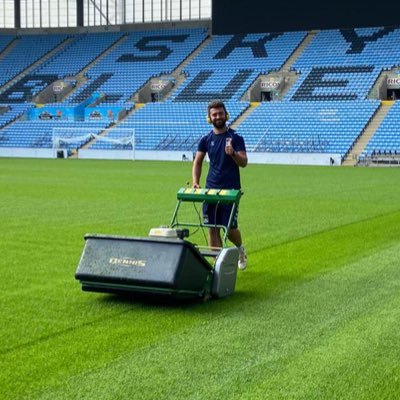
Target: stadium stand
<point x="306" y="127"/>
<point x="28" y="49"/>
<point x="9" y="113"/>
<point x="386" y="140"/>
<point x="344" y="64"/>
<point x="141" y="56"/>
<point x="5" y="40"/>
<point x="83" y="50"/>
<point x="26" y="88"/>
<point x="324" y="111"/>
<point x="170" y="125"/>
<point x="230" y="64"/>
<point x="39" y="134"/>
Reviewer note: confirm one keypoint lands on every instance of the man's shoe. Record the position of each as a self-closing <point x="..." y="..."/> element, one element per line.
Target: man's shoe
<point x="242" y="263"/>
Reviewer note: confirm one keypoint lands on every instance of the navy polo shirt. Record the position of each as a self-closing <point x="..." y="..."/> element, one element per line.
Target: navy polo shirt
<point x="224" y="172"/>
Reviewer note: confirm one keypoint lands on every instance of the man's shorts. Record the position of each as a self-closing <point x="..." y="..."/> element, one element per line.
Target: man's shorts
<point x="218" y="214"/>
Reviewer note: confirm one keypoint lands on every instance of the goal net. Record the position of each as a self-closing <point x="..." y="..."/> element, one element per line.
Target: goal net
<point x="71" y="140"/>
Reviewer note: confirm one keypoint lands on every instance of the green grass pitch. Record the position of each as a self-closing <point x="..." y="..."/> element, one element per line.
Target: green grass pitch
<point x="315" y="316"/>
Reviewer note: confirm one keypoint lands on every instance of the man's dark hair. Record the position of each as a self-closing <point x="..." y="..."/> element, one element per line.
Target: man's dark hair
<point x="216" y="104"/>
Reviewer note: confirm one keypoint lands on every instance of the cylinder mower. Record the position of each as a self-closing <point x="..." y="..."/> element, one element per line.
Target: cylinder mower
<point x="165" y="262"/>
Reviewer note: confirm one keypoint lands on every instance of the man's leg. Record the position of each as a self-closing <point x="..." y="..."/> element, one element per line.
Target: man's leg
<point x="236" y="238"/>
<point x="214" y="237"/>
<point x="210" y="212"/>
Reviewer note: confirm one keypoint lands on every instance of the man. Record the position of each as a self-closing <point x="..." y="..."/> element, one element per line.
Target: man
<point x="227" y="152"/>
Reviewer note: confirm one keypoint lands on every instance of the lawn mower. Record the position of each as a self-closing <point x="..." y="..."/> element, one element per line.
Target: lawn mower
<point x="165" y="262"/>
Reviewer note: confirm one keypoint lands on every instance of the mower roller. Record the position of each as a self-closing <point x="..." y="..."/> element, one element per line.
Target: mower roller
<point x="166" y="262"/>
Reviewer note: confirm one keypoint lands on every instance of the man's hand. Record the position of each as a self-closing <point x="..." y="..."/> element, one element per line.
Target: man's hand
<point x="228" y="147"/>
<point x="196" y="186"/>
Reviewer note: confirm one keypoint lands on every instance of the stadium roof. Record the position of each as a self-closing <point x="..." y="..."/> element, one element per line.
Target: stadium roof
<point x="73" y="13"/>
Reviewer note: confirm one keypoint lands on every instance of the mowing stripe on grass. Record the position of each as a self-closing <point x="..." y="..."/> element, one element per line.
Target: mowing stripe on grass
<point x="272" y="272"/>
<point x="309" y="342"/>
<point x="315" y="311"/>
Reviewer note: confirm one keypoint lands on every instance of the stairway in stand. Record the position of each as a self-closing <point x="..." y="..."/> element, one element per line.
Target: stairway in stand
<point x="359" y="146"/>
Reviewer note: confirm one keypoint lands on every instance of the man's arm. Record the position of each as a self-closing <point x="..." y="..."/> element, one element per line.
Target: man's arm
<point x="240" y="157"/>
<point x="196" y="169"/>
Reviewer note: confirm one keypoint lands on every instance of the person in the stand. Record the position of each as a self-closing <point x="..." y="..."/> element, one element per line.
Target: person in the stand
<point x="227" y="152"/>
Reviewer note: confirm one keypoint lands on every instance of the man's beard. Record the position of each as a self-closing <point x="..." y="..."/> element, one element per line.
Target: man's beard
<point x="219" y="123"/>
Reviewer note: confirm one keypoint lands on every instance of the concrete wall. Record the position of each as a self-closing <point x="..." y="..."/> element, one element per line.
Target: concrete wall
<point x="294" y="158"/>
<point x="137" y="155"/>
<point x="254" y="158"/>
<point x="26" y="153"/>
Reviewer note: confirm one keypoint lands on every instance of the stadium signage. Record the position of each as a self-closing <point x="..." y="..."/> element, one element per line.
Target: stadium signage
<point x="393" y="82"/>
<point x="157" y="87"/>
<point x="96" y="115"/>
<point x="127" y="262"/>
<point x="270" y="84"/>
<point x="45" y="115"/>
<point x="58" y="87"/>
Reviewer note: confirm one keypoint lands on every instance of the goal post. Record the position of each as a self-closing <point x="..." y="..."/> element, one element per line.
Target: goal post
<point x="70" y="140"/>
